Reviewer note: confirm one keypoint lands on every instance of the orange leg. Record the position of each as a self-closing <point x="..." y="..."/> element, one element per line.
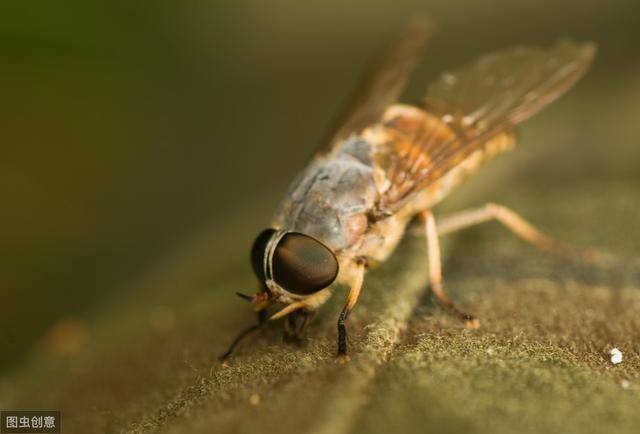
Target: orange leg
<point x="513" y="222"/>
<point x="435" y="272"/>
<point x="468" y="218"/>
<point x="356" y="286"/>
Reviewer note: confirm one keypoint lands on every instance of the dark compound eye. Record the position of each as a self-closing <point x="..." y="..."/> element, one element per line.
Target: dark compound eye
<point x="258" y="251"/>
<point x="303" y="265"/>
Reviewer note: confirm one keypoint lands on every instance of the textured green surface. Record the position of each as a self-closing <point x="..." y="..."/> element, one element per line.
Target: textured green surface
<point x="539" y="362"/>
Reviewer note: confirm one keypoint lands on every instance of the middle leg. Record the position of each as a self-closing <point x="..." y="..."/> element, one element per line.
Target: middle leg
<point x="435" y="272"/>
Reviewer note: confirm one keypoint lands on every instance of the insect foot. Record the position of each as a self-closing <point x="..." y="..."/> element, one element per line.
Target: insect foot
<point x="471" y="322"/>
<point x="343" y="359"/>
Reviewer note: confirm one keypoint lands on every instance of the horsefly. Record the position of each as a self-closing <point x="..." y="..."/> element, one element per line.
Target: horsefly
<point x="389" y="163"/>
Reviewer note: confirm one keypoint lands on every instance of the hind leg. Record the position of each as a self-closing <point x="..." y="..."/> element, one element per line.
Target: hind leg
<point x="516" y="224"/>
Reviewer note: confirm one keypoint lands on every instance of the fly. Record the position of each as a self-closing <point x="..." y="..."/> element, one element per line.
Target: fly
<point x="389" y="163"/>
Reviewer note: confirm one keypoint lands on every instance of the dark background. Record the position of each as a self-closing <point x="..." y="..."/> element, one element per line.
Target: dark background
<point x="128" y="128"/>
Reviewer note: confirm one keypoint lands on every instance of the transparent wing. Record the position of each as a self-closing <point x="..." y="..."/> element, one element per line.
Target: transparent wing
<point x="382" y="84"/>
<point x="476" y="103"/>
<point x="502" y="89"/>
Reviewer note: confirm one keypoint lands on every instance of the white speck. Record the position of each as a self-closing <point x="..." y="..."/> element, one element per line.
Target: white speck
<point x="447" y="118"/>
<point x="490" y="351"/>
<point x="449" y="79"/>
<point x="616" y="356"/>
<point x="625" y="384"/>
<point x="254" y="399"/>
<point x="468" y="120"/>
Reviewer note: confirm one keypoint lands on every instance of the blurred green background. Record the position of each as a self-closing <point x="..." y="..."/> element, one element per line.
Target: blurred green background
<point x="128" y="128"/>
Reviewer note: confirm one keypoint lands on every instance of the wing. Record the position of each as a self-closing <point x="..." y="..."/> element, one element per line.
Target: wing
<point x="468" y="108"/>
<point x="384" y="80"/>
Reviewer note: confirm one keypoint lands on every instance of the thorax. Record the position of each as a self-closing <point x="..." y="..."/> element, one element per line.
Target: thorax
<point x="332" y="199"/>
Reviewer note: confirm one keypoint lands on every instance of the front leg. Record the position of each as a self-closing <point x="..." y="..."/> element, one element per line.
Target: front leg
<point x="356" y="286"/>
<point x="261" y="317"/>
<point x="295" y="324"/>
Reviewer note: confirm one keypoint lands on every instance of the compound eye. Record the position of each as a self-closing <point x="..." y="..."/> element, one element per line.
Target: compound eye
<point x="258" y="251"/>
<point x="303" y="265"/>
